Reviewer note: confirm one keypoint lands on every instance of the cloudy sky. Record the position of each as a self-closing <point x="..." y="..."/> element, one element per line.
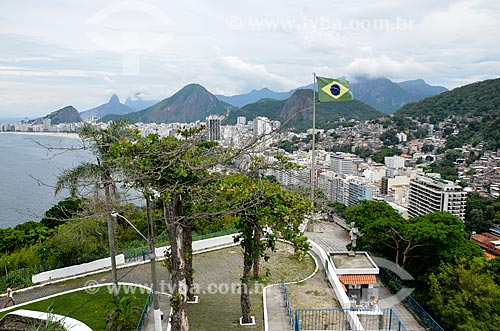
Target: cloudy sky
<point x="59" y="52"/>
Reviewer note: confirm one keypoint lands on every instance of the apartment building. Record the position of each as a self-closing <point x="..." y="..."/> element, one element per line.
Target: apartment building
<point x="428" y="195"/>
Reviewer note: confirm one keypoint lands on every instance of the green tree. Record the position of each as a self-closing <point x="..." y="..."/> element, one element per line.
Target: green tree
<point x="266" y="212"/>
<point x="389" y="138"/>
<point x="381" y="227"/>
<point x="75" y="242"/>
<point x="427" y="148"/>
<point x="177" y="170"/>
<point x="446" y="167"/>
<point x="418" y="244"/>
<point x="98" y="175"/>
<point x="420" y="133"/>
<point x="481" y="213"/>
<point x="465" y="297"/>
<point x="62" y="211"/>
<point x="383" y="152"/>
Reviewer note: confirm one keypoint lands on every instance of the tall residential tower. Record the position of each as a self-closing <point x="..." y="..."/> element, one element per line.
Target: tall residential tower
<point x="428" y="195"/>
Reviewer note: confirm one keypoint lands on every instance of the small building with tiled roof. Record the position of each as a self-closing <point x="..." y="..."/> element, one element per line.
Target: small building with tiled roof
<point x="357" y="272"/>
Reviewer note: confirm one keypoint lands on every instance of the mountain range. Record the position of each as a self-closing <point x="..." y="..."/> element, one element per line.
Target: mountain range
<point x="192" y="103"/>
<point x="295" y="112"/>
<point x="68" y="114"/>
<point x="113" y="106"/>
<point x="473" y="109"/>
<point x="380" y="93"/>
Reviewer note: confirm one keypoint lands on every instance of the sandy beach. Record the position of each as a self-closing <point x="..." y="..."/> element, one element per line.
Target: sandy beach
<point x="50" y="134"/>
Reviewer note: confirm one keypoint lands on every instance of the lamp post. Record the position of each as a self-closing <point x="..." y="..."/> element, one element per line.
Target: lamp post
<point x="313" y="160"/>
<point x="152" y="258"/>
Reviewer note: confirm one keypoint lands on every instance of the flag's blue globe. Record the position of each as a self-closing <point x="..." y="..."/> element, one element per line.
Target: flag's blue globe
<point x="335" y="89"/>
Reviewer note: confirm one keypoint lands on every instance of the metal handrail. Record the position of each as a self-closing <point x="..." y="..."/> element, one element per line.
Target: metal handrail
<point x="287" y="304"/>
<point x="144" y="313"/>
<point x="410" y="302"/>
<point x="340" y="319"/>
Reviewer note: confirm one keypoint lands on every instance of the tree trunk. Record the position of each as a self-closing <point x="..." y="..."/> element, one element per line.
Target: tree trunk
<point x="397" y="252"/>
<point x="179" y="320"/>
<point x="406" y="253"/>
<point x="245" y="293"/>
<point x="188" y="248"/>
<point x="111" y="239"/>
<point x="256" y="267"/>
<point x="257" y="260"/>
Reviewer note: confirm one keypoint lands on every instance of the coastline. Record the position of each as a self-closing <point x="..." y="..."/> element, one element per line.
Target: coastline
<point x="49" y="134"/>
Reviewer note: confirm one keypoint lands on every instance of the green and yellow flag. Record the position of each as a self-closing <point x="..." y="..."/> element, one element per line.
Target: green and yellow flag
<point x="333" y="90"/>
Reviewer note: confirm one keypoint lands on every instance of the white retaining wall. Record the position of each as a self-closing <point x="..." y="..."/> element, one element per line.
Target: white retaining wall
<point x="76" y="269"/>
<point x="199" y="245"/>
<point x="352" y="316"/>
<point x="332" y="276"/>
<point x="67" y="322"/>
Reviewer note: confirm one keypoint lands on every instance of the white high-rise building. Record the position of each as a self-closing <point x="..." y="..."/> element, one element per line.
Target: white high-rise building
<point x="343" y="163"/>
<point x="213" y="123"/>
<point x="428" y="195"/>
<point x="262" y="128"/>
<point x="395" y="162"/>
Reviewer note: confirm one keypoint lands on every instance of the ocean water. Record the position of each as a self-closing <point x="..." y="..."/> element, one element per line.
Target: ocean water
<point x="28" y="172"/>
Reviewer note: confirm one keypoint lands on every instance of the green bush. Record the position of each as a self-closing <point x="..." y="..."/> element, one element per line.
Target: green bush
<point x="76" y="242"/>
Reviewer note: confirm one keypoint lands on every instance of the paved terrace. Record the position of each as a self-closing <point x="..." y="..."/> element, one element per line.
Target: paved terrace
<point x="217" y="267"/>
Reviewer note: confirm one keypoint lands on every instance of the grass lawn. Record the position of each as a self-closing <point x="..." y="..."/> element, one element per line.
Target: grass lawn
<point x="91" y="309"/>
<point x="221" y="311"/>
<point x="217" y="312"/>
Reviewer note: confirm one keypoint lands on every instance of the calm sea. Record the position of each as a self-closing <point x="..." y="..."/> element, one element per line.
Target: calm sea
<point x="28" y="172"/>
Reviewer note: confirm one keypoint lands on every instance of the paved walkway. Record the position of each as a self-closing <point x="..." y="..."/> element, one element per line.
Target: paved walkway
<point x="390" y="301"/>
<point x="333" y="238"/>
<point x="276" y="309"/>
<point x="165" y="308"/>
<point x="315" y="292"/>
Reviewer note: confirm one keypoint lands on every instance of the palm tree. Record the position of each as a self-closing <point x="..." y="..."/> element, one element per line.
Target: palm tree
<point x="99" y="175"/>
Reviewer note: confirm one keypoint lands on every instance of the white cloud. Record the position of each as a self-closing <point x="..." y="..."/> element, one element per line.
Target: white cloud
<point x="243" y="76"/>
<point x="384" y="66"/>
<point x="110" y="81"/>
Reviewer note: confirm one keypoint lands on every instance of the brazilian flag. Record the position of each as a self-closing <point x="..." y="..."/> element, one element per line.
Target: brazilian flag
<point x="333" y="90"/>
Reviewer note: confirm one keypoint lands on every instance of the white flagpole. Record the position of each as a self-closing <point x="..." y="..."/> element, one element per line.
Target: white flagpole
<point x="313" y="160"/>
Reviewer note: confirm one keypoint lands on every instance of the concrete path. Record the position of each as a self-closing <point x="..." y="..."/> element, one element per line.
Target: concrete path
<point x="165" y="308"/>
<point x="330" y="236"/>
<point x="276" y="309"/>
<point x="404" y="314"/>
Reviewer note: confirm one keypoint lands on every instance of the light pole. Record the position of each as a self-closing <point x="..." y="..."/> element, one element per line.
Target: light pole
<point x="115" y="214"/>
<point x="313" y="160"/>
<point x="152" y="263"/>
